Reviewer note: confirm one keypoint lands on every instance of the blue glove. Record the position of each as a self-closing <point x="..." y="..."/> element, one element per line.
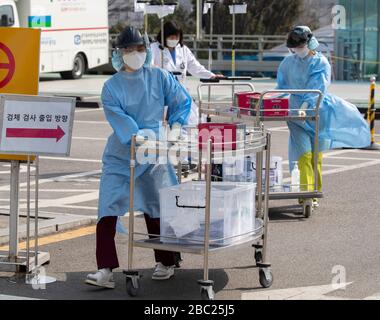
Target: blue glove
<point x="117" y="60"/>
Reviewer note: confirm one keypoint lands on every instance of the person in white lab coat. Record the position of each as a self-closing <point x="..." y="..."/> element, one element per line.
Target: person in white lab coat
<point x="178" y="58"/>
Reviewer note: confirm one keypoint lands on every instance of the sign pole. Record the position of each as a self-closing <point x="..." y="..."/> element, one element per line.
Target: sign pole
<point x="199" y="9"/>
<point x="233" y="41"/>
<point x="14" y="213"/>
<point x="37" y="173"/>
<point x="28" y="217"/>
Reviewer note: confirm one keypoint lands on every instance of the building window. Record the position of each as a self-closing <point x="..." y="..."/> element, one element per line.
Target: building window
<point x="358" y="45"/>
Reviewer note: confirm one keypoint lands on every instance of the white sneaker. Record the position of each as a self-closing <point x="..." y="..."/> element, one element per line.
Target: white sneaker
<point x="315" y="204"/>
<point x="163" y="273"/>
<point x="103" y="278"/>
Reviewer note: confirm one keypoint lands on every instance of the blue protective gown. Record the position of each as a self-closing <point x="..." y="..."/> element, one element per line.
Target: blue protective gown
<point x="341" y="124"/>
<point x="133" y="102"/>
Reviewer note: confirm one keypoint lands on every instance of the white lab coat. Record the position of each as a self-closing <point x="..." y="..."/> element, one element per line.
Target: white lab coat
<point x="185" y="63"/>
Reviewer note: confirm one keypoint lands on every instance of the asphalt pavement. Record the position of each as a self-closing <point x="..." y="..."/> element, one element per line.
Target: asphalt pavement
<point x="338" y="244"/>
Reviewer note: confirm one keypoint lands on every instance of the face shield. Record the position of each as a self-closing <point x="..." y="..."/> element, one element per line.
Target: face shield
<point x="132" y="49"/>
<point x="301" y="36"/>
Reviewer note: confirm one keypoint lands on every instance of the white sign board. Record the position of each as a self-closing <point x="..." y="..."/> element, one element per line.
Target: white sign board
<point x="33" y="125"/>
<point x="139" y="7"/>
<point x="160" y="10"/>
<point x="238" y="9"/>
<point x="206" y="8"/>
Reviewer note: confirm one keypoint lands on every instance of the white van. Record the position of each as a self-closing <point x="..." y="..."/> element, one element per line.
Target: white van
<point x="74" y="36"/>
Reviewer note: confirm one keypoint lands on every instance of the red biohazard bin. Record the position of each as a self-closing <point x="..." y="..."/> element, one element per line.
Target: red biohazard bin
<point x="225" y="136"/>
<point x="274" y="104"/>
<point x="243" y="101"/>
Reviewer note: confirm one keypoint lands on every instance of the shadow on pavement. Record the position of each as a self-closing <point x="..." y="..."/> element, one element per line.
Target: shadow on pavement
<point x="291" y="213"/>
<point x="183" y="286"/>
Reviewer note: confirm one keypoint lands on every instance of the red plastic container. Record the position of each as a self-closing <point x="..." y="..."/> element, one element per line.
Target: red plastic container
<point x="225" y="136"/>
<point x="274" y="104"/>
<point x="243" y="99"/>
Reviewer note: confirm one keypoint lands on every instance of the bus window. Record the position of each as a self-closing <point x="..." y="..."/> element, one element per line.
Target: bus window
<point x="7" y="18"/>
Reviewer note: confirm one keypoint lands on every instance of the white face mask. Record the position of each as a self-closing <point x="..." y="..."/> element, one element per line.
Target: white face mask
<point x="135" y="60"/>
<point x="301" y="52"/>
<point x="172" y="43"/>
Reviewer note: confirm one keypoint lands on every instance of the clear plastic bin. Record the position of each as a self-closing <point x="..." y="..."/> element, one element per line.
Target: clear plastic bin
<point x="244" y="170"/>
<point x="275" y="174"/>
<point x="183" y="213"/>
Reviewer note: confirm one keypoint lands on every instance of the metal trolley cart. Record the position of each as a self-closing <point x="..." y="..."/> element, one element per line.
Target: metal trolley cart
<point x="296" y="115"/>
<point x="257" y="141"/>
<point x="256" y="116"/>
<point x="225" y="83"/>
<point x="227" y="109"/>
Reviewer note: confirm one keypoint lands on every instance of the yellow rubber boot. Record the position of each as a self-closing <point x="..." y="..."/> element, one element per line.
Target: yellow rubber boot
<point x="320" y="180"/>
<point x="306" y="167"/>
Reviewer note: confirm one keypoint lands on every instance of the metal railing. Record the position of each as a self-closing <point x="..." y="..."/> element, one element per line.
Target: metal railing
<point x="255" y="53"/>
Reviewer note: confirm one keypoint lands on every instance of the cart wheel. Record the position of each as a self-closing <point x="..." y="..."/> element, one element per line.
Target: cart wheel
<point x="308" y="210"/>
<point x="133" y="286"/>
<point x="258" y="256"/>
<point x="266" y="278"/>
<point x="207" y="294"/>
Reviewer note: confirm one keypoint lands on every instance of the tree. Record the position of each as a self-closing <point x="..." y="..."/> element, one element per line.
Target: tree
<point x="316" y="13"/>
<point x="181" y="17"/>
<point x="264" y="17"/>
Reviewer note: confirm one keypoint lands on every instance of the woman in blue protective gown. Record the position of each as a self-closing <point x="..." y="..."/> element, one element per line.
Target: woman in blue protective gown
<point x="134" y="100"/>
<point x="341" y="124"/>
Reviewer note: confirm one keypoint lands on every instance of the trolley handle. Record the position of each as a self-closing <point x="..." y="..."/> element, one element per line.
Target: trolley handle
<point x="236" y="79"/>
<point x="158" y="3"/>
<point x="318" y="92"/>
<point x="187" y="207"/>
<point x="218" y="80"/>
<point x="209" y="83"/>
<point x="260" y="102"/>
<point x="213" y="80"/>
<point x="275" y="167"/>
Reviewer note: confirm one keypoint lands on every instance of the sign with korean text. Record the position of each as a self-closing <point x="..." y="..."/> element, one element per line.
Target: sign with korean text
<point x="19" y="66"/>
<point x="36" y="125"/>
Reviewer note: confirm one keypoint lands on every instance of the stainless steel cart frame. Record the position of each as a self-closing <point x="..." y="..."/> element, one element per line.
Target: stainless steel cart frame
<point x="255" y="116"/>
<point x="259" y="142"/>
<point x="227" y="109"/>
<point x="210" y="107"/>
<point x="305" y="115"/>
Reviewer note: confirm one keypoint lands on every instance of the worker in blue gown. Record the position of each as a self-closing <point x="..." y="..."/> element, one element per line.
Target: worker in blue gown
<point x="134" y="100"/>
<point x="341" y="124"/>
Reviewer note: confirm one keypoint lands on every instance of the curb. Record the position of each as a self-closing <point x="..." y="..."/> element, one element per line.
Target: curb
<point x="50" y="224"/>
<point x="90" y="101"/>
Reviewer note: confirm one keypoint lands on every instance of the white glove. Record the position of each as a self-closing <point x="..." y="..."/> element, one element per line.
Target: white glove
<point x="140" y="140"/>
<point x="175" y="133"/>
<point x="302" y="111"/>
<point x="145" y="137"/>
